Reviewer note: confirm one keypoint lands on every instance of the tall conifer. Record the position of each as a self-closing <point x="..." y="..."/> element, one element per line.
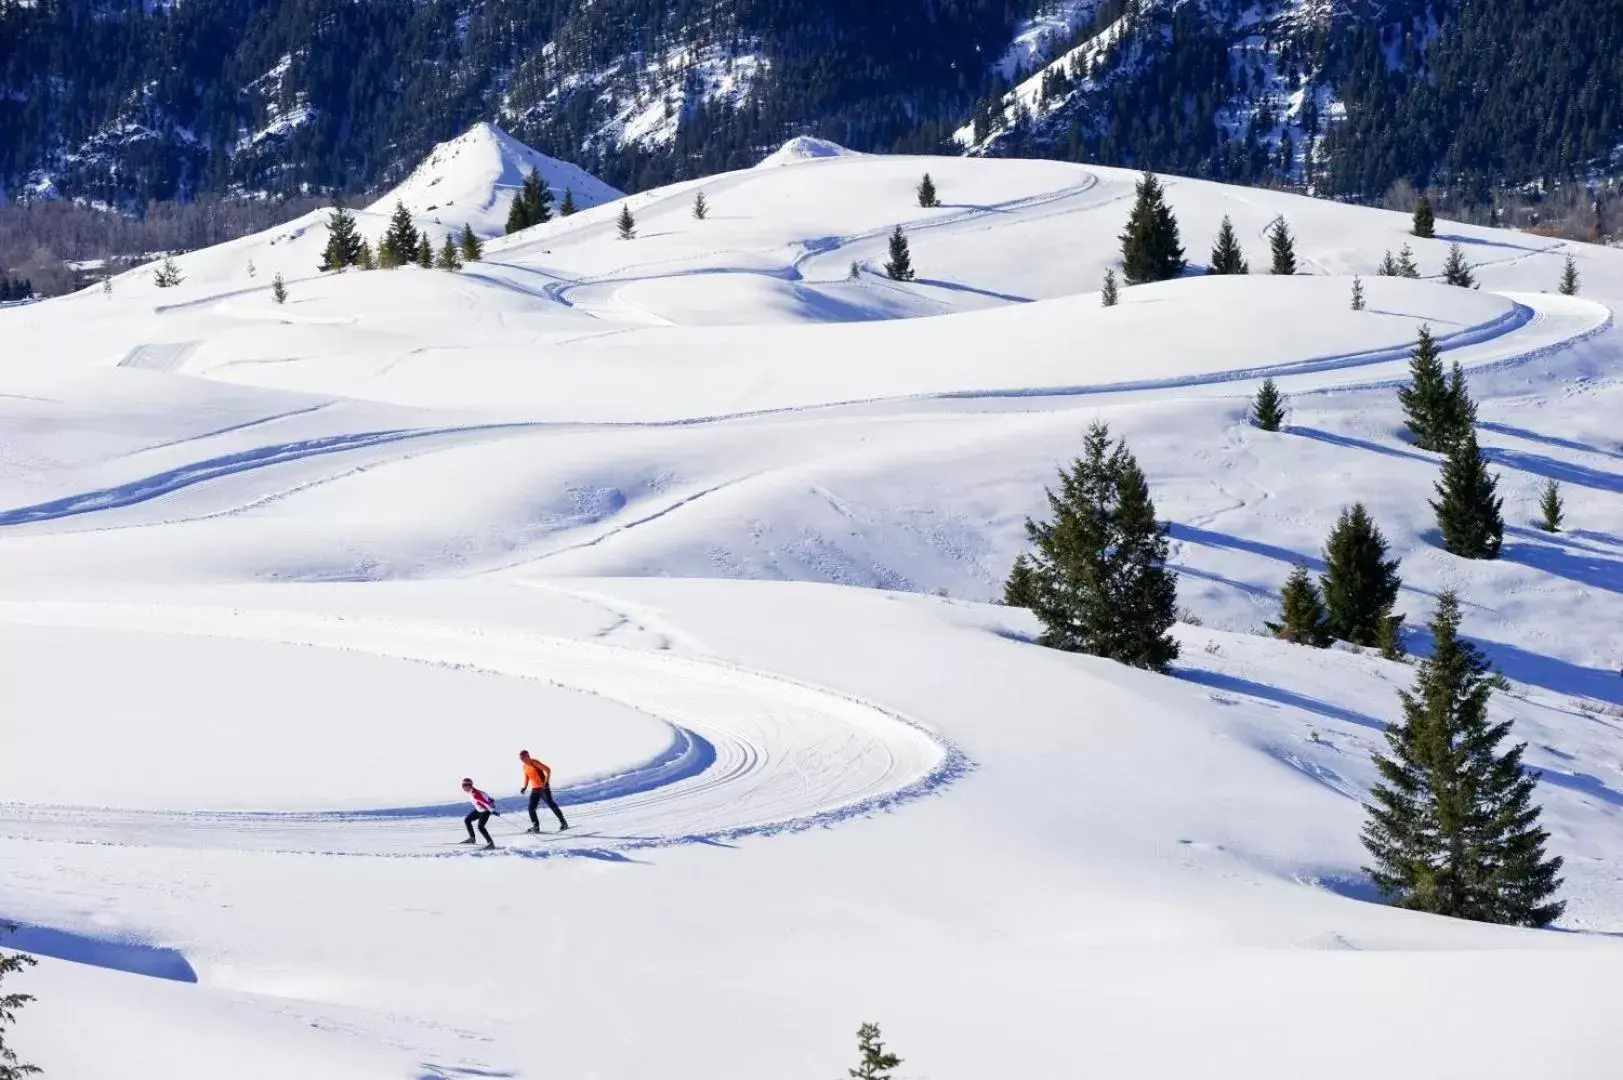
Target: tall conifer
<point x="470" y="247"/>
<point x="1456" y="271"/>
<point x="1110" y="295"/>
<point x="900" y="265"/>
<point x="1426" y="400"/>
<point x="1268" y="407"/>
<point x="626" y="223"/>
<point x="343" y="239"/>
<point x="1550" y="507"/>
<point x="1569" y="277"/>
<point x="1283" y="247"/>
<point x="1425" y="223"/>
<point x="1360" y="583"/>
<point x="1302" y="620"/>
<point x="1150" y="249"/>
<point x="401" y="241"/>
<point x="927" y="193"/>
<point x="1468" y="506"/>
<point x="1227" y="258"/>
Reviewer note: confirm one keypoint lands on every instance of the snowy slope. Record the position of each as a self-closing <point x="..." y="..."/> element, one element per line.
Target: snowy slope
<point x="668" y="511"/>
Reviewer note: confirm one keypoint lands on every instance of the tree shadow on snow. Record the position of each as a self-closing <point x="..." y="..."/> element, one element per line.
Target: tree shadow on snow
<point x="1535" y="669"/>
<point x="1477" y="241"/>
<point x="1548" y="440"/>
<point x="1207" y="538"/>
<point x="1563" y="558"/>
<point x="1563" y="472"/>
<point x="1359" y="444"/>
<point x="1279" y="695"/>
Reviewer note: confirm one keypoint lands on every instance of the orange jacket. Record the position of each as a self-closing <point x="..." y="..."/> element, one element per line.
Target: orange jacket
<point x="536" y="775"/>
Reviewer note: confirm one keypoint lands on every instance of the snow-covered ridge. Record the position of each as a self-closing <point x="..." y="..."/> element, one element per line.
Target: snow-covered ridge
<point x="804" y="148"/>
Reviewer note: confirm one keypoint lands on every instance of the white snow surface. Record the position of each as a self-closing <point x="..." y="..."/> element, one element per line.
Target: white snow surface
<point x="711" y="527"/>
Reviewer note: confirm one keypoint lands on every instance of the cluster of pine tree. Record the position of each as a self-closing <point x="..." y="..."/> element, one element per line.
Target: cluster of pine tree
<point x="15" y="289"/>
<point x="403" y="244"/>
<point x="532" y="205"/>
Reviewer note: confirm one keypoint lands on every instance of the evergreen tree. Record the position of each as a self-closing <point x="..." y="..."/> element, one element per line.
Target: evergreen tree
<point x="279" y="289"/>
<point x="1550" y="507"/>
<point x="1425" y="224"/>
<point x="1283" y="247"/>
<point x="1227" y="258"/>
<point x="12" y="964"/>
<point x="627" y="224"/>
<point x="1110" y="295"/>
<point x="1097" y="576"/>
<point x="5" y="290"/>
<point x="900" y="265"/>
<point x="253" y="270"/>
<point x="368" y="261"/>
<point x="343" y="239"/>
<point x="1268" y="407"/>
<point x="1389" y="267"/>
<point x="1020" y="590"/>
<point x="701" y="208"/>
<point x="1456" y="271"/>
<point x="448" y="258"/>
<point x="1302" y="620"/>
<point x="567" y="207"/>
<point x="469" y="246"/>
<point x="401" y="241"/>
<point x="1407" y="267"/>
<point x="1468" y="508"/>
<point x="1569" y="277"/>
<point x="877" y="1062"/>
<point x="1360" y="583"/>
<point x="425" y="252"/>
<point x="1427" y="403"/>
<point x="537" y="199"/>
<point x="1390" y="639"/>
<point x="927" y="193"/>
<point x="1358" y="294"/>
<point x="1150" y="249"/>
<point x="1453" y="829"/>
<point x="518" y="214"/>
<point x="168" y="275"/>
<point x="386" y="259"/>
<point x="1458" y="418"/>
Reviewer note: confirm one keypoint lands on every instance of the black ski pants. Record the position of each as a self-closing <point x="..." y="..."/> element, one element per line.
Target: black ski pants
<point x="481" y="818"/>
<point x="544" y="794"/>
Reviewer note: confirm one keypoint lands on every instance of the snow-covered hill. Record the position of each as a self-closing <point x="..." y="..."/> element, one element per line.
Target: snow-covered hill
<point x="673" y="512"/>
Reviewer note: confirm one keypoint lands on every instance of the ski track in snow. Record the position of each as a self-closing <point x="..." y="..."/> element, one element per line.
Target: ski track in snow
<point x="750" y="753"/>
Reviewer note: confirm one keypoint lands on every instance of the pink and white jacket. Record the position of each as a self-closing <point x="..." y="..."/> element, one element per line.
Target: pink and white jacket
<point x="481" y="801"/>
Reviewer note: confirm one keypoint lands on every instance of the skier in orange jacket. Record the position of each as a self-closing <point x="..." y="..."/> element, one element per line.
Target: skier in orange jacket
<point x="538" y="782"/>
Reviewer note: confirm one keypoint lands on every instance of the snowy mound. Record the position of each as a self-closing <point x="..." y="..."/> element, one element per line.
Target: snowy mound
<point x="472" y="178"/>
<point x="805" y="148"/>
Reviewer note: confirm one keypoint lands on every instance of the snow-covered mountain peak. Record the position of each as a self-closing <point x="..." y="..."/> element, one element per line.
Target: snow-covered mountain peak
<point x="472" y="177"/>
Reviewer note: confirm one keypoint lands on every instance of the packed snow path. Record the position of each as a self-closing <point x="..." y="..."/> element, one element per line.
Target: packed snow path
<point x="749" y="753"/>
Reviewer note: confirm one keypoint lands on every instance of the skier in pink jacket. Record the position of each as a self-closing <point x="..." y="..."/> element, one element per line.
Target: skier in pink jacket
<point x="483" y="807"/>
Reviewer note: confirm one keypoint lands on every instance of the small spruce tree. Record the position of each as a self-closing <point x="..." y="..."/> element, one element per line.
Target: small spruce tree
<point x="1283" y="247"/>
<point x="106" y="287"/>
<point x="1426" y="400"/>
<point x="469" y="245"/>
<point x="1407" y="267"/>
<point x="1358" y="294"/>
<point x="1389" y="267"/>
<point x="1390" y="639"/>
<point x="449" y="258"/>
<point x="367" y="261"/>
<point x="1425" y="223"/>
<point x="1150" y="249"/>
<point x="855" y="273"/>
<point x="1227" y="258"/>
<point x="1020" y="590"/>
<point x="567" y="207"/>
<point x="1360" y="583"/>
<point x="538" y="198"/>
<point x="899" y="267"/>
<point x="626" y="223"/>
<point x="425" y="252"/>
<point x="253" y="270"/>
<point x="1302" y="620"/>
<point x="1268" y="407"/>
<point x="1468" y="506"/>
<point x="1452" y="828"/>
<point x="1569" y="277"/>
<point x="279" y="289"/>
<point x="168" y="275"/>
<point x="1097" y="577"/>
<point x="877" y="1063"/>
<point x="343" y="239"/>
<point x="1456" y="271"/>
<point x="518" y="214"/>
<point x="927" y="193"/>
<point x="1550" y="506"/>
<point x="701" y="208"/>
<point x="401" y="241"/>
<point x="1459" y="412"/>
<point x="12" y="964"/>
<point x="1110" y="295"/>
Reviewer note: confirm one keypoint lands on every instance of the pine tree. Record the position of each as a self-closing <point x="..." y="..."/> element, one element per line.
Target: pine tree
<point x="1302" y="620"/>
<point x="1283" y="246"/>
<point x="877" y="1062"/>
<point x="1097" y="576"/>
<point x="367" y="261"/>
<point x="1358" y="294"/>
<point x="1425" y="224"/>
<point x="425" y="252"/>
<point x="1426" y="400"/>
<point x="386" y="257"/>
<point x="401" y="241"/>
<point x="1360" y="583"/>
<point x="1110" y="295"/>
<point x="701" y="208"/>
<point x="1390" y="638"/>
<point x="448" y="258"/>
<point x="1389" y="267"/>
<point x="1150" y="249"/>
<point x="1020" y="590"/>
<point x="1227" y="258"/>
<point x="1468" y="508"/>
<point x="1456" y="271"/>
<point x="12" y="964"/>
<point x="343" y="239"/>
<point x="168" y="275"/>
<point x="279" y="289"/>
<point x="1452" y="826"/>
<point x="927" y="193"/>
<point x="518" y="214"/>
<point x="1458" y="418"/>
<point x="470" y="247"/>
<point x="537" y="199"/>
<point x="253" y="270"/>
<point x="900" y="265"/>
<point x="1407" y="267"/>
<point x="567" y="207"/>
<point x="107" y="286"/>
<point x="1551" y="507"/>
<point x="1268" y="407"/>
<point x="1569" y="277"/>
<point x="627" y="224"/>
